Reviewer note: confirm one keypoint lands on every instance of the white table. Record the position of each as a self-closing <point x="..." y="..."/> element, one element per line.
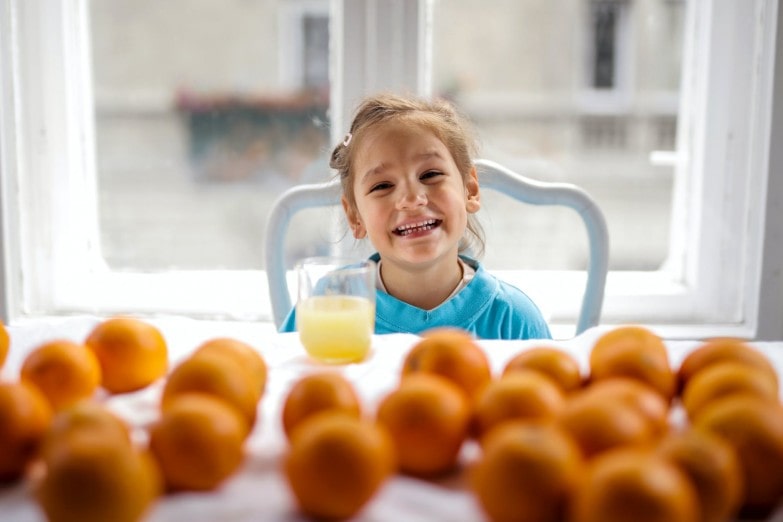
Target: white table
<point x="258" y="492"/>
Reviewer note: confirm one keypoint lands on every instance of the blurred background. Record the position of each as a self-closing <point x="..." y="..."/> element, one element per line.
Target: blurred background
<point x="206" y="110"/>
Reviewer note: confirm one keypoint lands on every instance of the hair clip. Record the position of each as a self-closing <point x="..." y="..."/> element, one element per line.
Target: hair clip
<point x="347" y="139"/>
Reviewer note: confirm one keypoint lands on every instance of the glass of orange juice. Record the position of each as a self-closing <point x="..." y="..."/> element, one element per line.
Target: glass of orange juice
<point x="335" y="307"/>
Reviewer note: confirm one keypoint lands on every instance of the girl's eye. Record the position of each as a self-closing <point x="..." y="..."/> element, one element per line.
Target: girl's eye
<point x="430" y="174"/>
<point x="380" y="186"/>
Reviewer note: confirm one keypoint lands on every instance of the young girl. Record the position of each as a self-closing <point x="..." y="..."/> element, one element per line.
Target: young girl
<point x="410" y="187"/>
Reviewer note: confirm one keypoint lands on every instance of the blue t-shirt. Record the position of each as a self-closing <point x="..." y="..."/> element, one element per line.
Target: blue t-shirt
<point x="486" y="307"/>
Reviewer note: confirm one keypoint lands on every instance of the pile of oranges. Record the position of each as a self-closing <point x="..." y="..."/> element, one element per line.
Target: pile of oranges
<point x="86" y="463"/>
<point x="631" y="438"/>
<point x="627" y="437"/>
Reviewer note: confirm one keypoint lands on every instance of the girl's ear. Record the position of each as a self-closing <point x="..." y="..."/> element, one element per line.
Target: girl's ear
<point x="354" y="220"/>
<point x="473" y="194"/>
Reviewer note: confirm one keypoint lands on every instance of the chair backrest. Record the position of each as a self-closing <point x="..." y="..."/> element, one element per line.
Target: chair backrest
<point x="491" y="175"/>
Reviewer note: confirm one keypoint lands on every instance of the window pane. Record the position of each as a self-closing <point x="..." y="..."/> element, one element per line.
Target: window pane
<point x="583" y="92"/>
<point x="205" y="111"/>
<point x="604" y="42"/>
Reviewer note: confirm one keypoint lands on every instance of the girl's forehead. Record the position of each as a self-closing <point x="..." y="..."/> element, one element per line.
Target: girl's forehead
<point x="396" y="141"/>
<point x="397" y="137"/>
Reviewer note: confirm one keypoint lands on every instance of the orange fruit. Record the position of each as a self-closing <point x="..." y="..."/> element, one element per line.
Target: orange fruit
<point x="336" y="463"/>
<point x="453" y="354"/>
<point x="636" y="394"/>
<point x="713" y="468"/>
<point x="635" y="352"/>
<point x="523" y="394"/>
<point x="560" y="366"/>
<point x="217" y="375"/>
<point x="723" y="379"/>
<point x="5" y="342"/>
<point x="632" y="484"/>
<point x="318" y="392"/>
<point x="598" y="424"/>
<point x="132" y="353"/>
<point x="754" y="428"/>
<point x="198" y="442"/>
<point x="92" y="478"/>
<point x="84" y="417"/>
<point x="25" y="415"/>
<point x="724" y="349"/>
<point x="64" y="371"/>
<point x="247" y="356"/>
<point x="528" y="472"/>
<point x="428" y="418"/>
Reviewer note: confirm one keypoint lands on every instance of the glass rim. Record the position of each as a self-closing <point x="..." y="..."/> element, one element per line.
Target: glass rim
<point x="346" y="262"/>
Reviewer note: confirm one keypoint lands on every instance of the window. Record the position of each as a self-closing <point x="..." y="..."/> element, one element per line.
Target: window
<point x="316" y="52"/>
<point x="303" y="42"/>
<point x="53" y="119"/>
<point x="604" y="25"/>
<point x="202" y="141"/>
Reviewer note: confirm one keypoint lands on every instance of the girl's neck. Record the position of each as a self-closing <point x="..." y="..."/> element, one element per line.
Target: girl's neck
<point x="424" y="288"/>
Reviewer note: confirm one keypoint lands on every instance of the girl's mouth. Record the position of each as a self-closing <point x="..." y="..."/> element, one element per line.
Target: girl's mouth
<point x="413" y="228"/>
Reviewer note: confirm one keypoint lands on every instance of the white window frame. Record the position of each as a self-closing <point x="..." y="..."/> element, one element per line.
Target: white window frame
<point x="51" y="261"/>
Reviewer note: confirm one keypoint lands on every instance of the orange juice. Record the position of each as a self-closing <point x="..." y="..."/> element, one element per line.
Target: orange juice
<point x="336" y="328"/>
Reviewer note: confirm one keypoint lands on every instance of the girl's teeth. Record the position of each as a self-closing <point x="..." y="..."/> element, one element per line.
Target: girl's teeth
<point x="416" y="227"/>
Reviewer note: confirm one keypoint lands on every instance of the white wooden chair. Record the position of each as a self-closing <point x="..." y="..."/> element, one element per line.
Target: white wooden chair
<point x="491" y="176"/>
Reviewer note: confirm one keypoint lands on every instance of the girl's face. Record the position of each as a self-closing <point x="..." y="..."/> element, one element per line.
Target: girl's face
<point x="411" y="201"/>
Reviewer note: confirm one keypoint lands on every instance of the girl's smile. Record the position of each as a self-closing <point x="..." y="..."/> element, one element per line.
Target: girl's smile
<point x="417" y="228"/>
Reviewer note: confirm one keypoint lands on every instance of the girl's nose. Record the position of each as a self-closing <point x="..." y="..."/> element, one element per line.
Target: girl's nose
<point x="411" y="197"/>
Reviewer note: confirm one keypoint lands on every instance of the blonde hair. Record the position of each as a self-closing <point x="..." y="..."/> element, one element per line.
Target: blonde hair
<point x="438" y="116"/>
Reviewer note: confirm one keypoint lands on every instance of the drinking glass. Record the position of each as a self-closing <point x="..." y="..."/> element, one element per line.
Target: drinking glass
<point x="335" y="307"/>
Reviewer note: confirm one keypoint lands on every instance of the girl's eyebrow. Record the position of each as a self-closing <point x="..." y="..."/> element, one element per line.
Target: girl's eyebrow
<point x="429" y="154"/>
<point x="378" y="169"/>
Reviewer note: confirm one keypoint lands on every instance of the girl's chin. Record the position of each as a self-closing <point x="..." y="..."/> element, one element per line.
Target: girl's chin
<point x="418" y="256"/>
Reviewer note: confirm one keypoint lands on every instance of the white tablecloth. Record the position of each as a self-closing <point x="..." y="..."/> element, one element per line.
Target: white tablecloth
<point x="259" y="492"/>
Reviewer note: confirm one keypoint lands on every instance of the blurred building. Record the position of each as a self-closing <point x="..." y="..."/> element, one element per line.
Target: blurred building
<point x="207" y="109"/>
